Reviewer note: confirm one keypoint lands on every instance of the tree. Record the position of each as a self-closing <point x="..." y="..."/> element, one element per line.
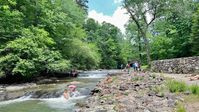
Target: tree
<point x="172" y="32"/>
<point x="83" y="4"/>
<point x="108" y="39"/>
<point x="30" y="55"/>
<point x="195" y="33"/>
<point x="135" y="38"/>
<point x="140" y="11"/>
<point x="11" y="21"/>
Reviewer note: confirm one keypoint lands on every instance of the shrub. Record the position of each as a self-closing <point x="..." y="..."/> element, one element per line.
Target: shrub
<point x="31" y="54"/>
<point x="194" y="89"/>
<point x="175" y="86"/>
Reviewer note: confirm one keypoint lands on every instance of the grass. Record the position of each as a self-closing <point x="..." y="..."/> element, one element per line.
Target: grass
<point x="194" y="89"/>
<point x="158" y="89"/>
<point x="145" y="67"/>
<point x="137" y="78"/>
<point x="180" y="108"/>
<point x="175" y="86"/>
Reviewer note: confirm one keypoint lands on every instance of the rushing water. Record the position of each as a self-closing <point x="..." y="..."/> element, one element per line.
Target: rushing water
<point x="54" y="103"/>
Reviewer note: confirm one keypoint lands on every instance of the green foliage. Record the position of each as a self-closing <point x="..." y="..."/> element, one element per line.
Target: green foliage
<point x="44" y="36"/>
<point x="11" y="21"/>
<point x="30" y="55"/>
<point x="173" y="33"/>
<point x="137" y="78"/>
<point x="111" y="47"/>
<point x="195" y="33"/>
<point x="180" y="108"/>
<point x="175" y="86"/>
<point x="83" y="55"/>
<point x="194" y="89"/>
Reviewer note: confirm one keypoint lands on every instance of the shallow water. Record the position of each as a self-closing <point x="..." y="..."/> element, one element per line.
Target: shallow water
<point x="87" y="80"/>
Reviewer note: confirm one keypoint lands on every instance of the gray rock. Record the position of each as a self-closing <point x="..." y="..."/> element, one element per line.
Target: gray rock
<point x="172" y="103"/>
<point x="103" y="110"/>
<point x="123" y="88"/>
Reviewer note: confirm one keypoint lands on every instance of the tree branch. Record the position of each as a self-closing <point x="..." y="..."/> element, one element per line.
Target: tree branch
<point x="154" y="16"/>
<point x="133" y="17"/>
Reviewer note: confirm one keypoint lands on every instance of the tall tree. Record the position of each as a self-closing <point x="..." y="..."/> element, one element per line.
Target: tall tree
<point x="83" y="4"/>
<point x="143" y="13"/>
<point x="195" y="33"/>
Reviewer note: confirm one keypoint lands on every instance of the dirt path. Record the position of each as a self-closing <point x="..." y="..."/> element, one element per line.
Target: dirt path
<point x="180" y="77"/>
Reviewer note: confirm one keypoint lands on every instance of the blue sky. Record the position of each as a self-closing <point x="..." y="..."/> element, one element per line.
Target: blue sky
<point x="109" y="11"/>
<point x="106" y="7"/>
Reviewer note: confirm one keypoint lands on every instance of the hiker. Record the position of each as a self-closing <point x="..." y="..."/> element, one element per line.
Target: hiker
<point x="74" y="73"/>
<point x="128" y="67"/>
<point x="136" y="66"/>
<point x="121" y="66"/>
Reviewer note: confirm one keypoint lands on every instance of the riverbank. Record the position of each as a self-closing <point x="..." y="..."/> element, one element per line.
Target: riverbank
<point x="136" y="92"/>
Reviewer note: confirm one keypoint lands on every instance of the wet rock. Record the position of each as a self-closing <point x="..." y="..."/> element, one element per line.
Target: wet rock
<point x="2" y="96"/>
<point x="85" y="91"/>
<point x="81" y="104"/>
<point x="46" y="94"/>
<point x="96" y="90"/>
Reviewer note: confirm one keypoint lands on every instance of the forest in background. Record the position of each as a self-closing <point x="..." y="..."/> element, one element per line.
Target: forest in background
<point x="49" y="36"/>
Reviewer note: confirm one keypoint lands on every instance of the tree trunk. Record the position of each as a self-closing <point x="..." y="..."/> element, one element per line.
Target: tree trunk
<point x="146" y="41"/>
<point x="139" y="47"/>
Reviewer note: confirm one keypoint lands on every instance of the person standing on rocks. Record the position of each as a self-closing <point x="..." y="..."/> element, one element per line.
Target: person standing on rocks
<point x="136" y="66"/>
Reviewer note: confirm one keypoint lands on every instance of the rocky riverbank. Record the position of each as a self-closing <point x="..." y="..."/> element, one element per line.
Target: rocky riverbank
<point x="136" y="92"/>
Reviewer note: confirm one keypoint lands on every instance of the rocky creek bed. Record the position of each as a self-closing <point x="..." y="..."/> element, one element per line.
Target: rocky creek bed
<point x="136" y="92"/>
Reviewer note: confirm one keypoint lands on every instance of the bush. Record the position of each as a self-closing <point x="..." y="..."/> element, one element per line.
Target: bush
<point x="194" y="89"/>
<point x="31" y="54"/>
<point x="175" y="86"/>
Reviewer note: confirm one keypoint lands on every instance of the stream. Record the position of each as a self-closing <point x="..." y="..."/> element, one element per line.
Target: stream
<point x="49" y="97"/>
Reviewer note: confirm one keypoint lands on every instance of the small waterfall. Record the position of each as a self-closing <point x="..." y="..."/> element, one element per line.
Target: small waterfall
<point x="51" y="97"/>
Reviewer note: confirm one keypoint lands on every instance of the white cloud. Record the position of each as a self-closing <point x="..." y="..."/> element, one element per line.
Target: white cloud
<point x="119" y="18"/>
<point x="117" y="1"/>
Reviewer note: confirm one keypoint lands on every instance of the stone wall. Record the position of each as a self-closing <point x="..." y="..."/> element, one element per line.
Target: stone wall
<point x="178" y="65"/>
